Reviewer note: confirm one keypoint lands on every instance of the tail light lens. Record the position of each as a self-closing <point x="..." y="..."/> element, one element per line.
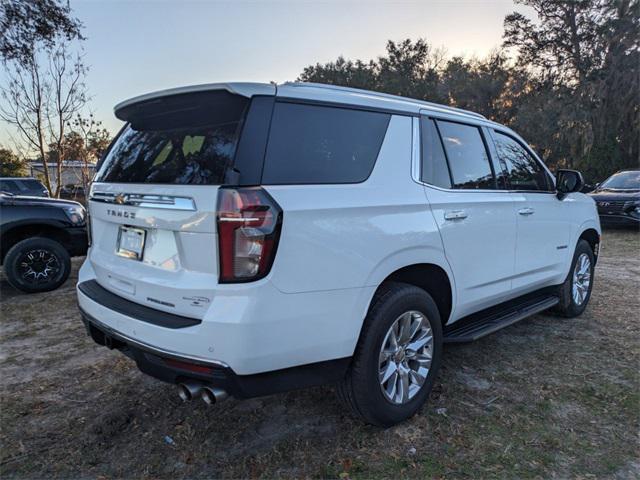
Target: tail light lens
<point x="249" y="223"/>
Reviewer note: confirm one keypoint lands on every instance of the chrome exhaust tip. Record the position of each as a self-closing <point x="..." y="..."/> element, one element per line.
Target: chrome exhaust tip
<point x="189" y="390"/>
<point x="212" y="395"/>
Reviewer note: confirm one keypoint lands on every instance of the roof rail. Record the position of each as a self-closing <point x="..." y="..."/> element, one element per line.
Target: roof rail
<point x="387" y="96"/>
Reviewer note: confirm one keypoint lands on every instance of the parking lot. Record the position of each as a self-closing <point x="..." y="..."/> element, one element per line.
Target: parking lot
<point x="547" y="397"/>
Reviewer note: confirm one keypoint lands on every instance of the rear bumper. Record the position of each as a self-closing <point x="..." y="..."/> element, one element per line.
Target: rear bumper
<point x="173" y="368"/>
<point x="249" y="328"/>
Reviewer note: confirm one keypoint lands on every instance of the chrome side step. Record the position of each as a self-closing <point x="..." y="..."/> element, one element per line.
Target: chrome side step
<point x="476" y="326"/>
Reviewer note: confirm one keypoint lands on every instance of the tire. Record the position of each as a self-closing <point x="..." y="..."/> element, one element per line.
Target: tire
<point x="361" y="389"/>
<point x="37" y="264"/>
<point x="573" y="305"/>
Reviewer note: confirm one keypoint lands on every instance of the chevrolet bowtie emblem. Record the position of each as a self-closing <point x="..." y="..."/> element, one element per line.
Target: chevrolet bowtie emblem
<point x="120" y="198"/>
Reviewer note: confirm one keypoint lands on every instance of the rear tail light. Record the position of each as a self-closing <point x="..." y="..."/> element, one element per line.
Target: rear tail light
<point x="249" y="223"/>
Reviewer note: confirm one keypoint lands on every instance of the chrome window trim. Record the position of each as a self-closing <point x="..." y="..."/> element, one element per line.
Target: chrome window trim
<point x="166" y="202"/>
<point x="416" y="161"/>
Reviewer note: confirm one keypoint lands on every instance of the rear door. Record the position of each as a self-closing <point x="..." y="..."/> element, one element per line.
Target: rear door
<point x="153" y="204"/>
<point x="544" y="226"/>
<point x="476" y="219"/>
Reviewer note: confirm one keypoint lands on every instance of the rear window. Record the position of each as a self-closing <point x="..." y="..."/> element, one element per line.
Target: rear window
<point x="311" y="144"/>
<point x="184" y="139"/>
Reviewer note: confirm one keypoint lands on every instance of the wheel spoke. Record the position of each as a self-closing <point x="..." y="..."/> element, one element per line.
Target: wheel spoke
<point x="416" y="323"/>
<point x="404" y="383"/>
<point x="420" y="342"/>
<point x="423" y="359"/>
<point x="386" y="373"/>
<point x="416" y="377"/>
<point x="385" y="355"/>
<point x="392" y="340"/>
<point x="392" y="385"/>
<point x="405" y="326"/>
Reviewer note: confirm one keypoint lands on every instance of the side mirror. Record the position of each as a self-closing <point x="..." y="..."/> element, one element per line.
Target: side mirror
<point x="568" y="181"/>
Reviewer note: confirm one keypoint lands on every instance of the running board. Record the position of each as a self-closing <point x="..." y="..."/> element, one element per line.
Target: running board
<point x="476" y="327"/>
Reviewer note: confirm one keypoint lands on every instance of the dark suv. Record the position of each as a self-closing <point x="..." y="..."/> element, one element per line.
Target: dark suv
<point x="618" y="199"/>
<point x="37" y="238"/>
<point x="26" y="186"/>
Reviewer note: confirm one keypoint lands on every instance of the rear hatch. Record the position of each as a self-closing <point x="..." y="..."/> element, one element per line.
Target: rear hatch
<point x="153" y="203"/>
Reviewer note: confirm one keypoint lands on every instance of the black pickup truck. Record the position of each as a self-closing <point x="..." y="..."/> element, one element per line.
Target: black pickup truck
<point x="37" y="238"/>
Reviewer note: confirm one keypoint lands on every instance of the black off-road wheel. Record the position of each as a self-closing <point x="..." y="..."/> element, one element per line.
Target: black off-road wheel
<point x="37" y="264"/>
<point x="575" y="292"/>
<point x="397" y="357"/>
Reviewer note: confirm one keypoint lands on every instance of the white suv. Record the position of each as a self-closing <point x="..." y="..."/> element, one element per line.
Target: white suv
<point x="253" y="238"/>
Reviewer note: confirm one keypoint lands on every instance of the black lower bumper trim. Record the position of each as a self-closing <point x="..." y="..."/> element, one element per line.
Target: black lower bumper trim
<point x="77" y="241"/>
<point x="167" y="368"/>
<point x="619" y="221"/>
<point x="104" y="297"/>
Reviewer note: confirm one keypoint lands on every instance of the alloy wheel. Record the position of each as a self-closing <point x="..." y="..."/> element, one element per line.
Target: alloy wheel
<point x="405" y="357"/>
<point x="581" y="279"/>
<point x="38" y="266"/>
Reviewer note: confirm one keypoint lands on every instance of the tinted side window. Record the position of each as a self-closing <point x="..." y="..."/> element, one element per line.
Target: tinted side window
<point x="434" y="163"/>
<point x="9" y="186"/>
<point x="467" y="155"/>
<point x="317" y="144"/>
<point x="32" y="185"/>
<point x="22" y="185"/>
<point x="522" y="170"/>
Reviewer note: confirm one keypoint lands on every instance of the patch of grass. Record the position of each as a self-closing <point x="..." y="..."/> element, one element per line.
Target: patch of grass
<point x="544" y="398"/>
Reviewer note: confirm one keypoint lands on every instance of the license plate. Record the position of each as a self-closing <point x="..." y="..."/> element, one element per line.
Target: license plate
<point x="131" y="242"/>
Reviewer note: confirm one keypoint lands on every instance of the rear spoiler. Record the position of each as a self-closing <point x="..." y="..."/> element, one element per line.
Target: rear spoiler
<point x="124" y="109"/>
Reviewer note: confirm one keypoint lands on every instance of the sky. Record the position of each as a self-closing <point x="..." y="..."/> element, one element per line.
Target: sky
<point x="135" y="47"/>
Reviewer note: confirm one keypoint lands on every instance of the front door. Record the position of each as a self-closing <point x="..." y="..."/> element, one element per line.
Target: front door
<point x="543" y="226"/>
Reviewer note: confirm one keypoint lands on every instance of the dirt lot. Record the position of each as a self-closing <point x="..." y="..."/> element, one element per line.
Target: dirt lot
<point x="546" y="398"/>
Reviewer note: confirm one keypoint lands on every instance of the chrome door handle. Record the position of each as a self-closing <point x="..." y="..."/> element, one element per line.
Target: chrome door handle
<point x="455" y="215"/>
<point x="526" y="211"/>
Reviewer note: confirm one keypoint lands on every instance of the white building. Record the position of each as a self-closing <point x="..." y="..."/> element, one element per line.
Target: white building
<point x="71" y="171"/>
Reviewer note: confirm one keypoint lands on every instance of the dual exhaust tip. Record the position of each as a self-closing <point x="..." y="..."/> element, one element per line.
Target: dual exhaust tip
<point x="210" y="395"/>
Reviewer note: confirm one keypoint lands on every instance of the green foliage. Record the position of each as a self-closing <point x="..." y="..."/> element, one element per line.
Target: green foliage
<point x="573" y="89"/>
<point x="27" y="25"/>
<point x="11" y="165"/>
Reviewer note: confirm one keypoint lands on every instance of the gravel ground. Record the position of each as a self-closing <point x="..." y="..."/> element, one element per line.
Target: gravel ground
<point x="547" y="398"/>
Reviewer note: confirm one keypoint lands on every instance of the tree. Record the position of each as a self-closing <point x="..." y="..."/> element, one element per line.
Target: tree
<point x="571" y="88"/>
<point x="11" y="165"/>
<point x="89" y="142"/>
<point x="342" y="72"/>
<point x="26" y="25"/>
<point x="41" y="98"/>
<point x="589" y="51"/>
<point x="477" y="85"/>
<point x="409" y="68"/>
